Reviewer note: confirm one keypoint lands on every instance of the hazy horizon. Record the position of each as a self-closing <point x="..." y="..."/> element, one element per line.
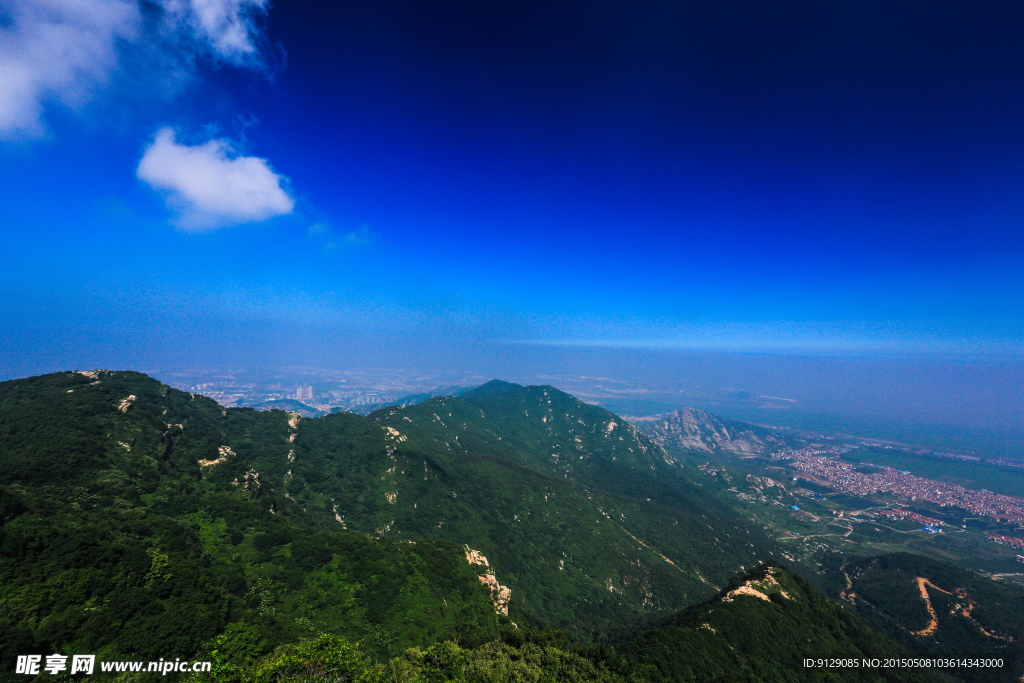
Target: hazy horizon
<point x="817" y="202"/>
<point x="959" y="402"/>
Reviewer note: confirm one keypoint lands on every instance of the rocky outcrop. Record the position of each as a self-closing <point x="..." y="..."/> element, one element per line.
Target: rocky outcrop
<point x="697" y="430"/>
<point x="758" y="588"/>
<point x="224" y="452"/>
<point x="500" y="595"/>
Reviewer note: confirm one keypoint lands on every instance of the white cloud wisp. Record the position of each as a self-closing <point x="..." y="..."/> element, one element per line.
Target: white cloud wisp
<point x="227" y="29"/>
<point x="64" y="52"/>
<point x="209" y="186"/>
<point x="57" y="51"/>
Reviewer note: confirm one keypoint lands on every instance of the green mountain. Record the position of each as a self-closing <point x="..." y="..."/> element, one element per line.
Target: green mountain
<point x="762" y="628"/>
<point x="516" y="655"/>
<point x="138" y="521"/>
<point x="581" y="516"/>
<point x="112" y="481"/>
<point x="934" y="608"/>
<point x="136" y="525"/>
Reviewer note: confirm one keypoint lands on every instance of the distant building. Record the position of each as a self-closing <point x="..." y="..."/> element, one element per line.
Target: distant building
<point x="1007" y="518"/>
<point x="1017" y="543"/>
<point x="304" y="393"/>
<point x="907" y="514"/>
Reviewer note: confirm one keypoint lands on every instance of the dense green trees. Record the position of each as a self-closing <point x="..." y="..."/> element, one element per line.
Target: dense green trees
<point x="520" y="656"/>
<point x="139" y="522"/>
<point x="763" y="632"/>
<point x="973" y="615"/>
<point x="117" y="542"/>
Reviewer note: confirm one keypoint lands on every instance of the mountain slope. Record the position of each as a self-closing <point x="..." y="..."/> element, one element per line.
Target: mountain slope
<point x="580" y="514"/>
<point x="539" y="427"/>
<point x="934" y="608"/>
<point x="762" y="628"/>
<point x="137" y="519"/>
<point x="119" y="539"/>
<point x="696" y="430"/>
<point x="607" y="531"/>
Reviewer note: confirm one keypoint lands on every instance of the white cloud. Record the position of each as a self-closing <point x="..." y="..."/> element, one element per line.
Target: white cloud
<point x="57" y="51"/>
<point x="209" y="186"/>
<point x="62" y="52"/>
<point x="227" y="29"/>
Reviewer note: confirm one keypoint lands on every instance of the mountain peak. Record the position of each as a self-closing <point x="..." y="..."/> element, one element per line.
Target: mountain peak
<point x="495" y="386"/>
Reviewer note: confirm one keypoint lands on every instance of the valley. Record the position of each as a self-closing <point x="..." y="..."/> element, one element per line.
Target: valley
<point x="828" y="496"/>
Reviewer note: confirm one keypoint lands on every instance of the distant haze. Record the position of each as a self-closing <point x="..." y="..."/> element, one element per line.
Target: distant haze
<point x="971" y="394"/>
<point x="955" y="400"/>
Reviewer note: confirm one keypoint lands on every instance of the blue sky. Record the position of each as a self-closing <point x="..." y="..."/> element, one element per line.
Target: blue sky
<point x="236" y="181"/>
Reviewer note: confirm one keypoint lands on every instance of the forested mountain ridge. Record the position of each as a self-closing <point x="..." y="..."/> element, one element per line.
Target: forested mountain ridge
<point x="138" y="521"/>
<point x="932" y="607"/>
<point x="539" y="427"/>
<point x="762" y="627"/>
<point x="581" y="516"/>
<point x="120" y="537"/>
<point x="578" y="544"/>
